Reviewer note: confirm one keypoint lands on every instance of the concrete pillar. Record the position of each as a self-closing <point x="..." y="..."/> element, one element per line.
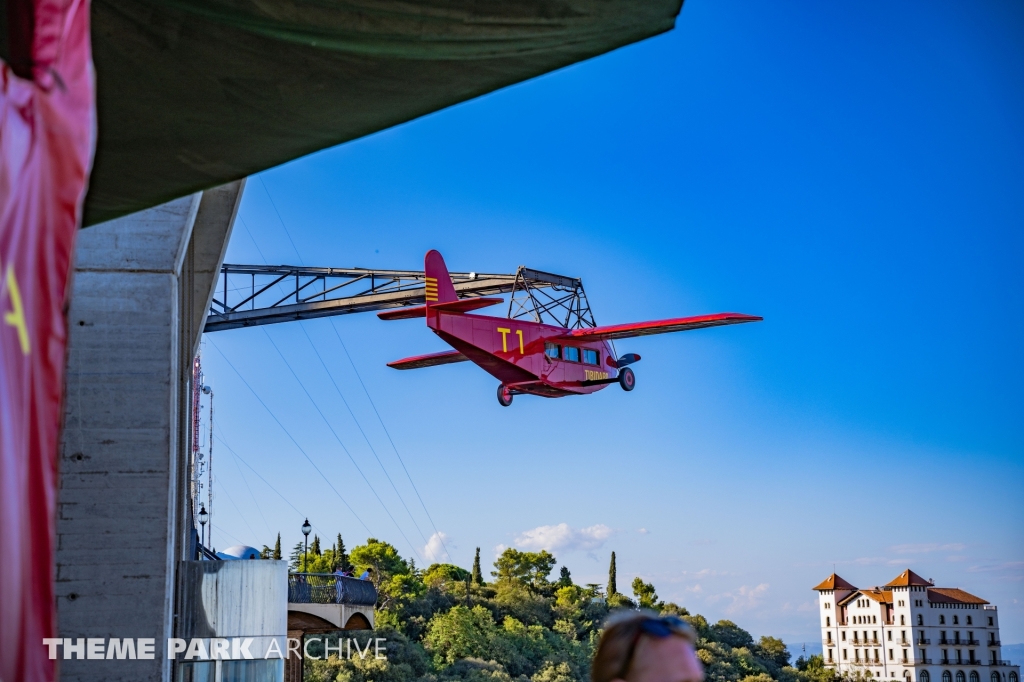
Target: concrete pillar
<point x="140" y="291"/>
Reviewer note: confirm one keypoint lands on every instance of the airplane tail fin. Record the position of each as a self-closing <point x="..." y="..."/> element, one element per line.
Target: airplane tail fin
<point x="439" y="282"/>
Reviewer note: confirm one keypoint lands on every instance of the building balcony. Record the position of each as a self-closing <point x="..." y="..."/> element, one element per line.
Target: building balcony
<point x="946" y="641"/>
<point x="992" y="642"/>
<point x="923" y="661"/>
<point x="327" y="588"/>
<point x="1000" y="662"/>
<point x="325" y="602"/>
<point x="923" y="642"/>
<point x="904" y="642"/>
<point x="971" y="642"/>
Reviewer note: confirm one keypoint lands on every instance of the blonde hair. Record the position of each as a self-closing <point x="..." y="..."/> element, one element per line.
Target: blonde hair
<point x="619" y="638"/>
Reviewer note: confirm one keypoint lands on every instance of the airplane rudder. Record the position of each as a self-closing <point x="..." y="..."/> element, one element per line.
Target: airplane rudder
<point x="439" y="287"/>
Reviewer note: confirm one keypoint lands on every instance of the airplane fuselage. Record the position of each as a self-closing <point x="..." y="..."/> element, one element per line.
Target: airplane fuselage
<point x="528" y="357"/>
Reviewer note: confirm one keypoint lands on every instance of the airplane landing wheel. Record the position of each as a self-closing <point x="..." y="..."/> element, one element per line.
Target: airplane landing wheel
<point x="627" y="379"/>
<point x="504" y="395"/>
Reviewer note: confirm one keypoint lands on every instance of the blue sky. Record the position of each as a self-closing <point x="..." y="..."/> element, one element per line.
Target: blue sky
<point x="852" y="172"/>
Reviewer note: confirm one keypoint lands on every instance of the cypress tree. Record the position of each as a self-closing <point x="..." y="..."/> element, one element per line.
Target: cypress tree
<point x="564" y="578"/>
<point x="341" y="558"/>
<point x="277" y="548"/>
<point x="315" y="549"/>
<point x="478" y="576"/>
<point x="611" y="578"/>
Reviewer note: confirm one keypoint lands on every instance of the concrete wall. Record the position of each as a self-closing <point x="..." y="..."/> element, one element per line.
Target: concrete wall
<point x="139" y="293"/>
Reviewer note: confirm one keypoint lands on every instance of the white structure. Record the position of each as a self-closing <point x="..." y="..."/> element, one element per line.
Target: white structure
<point x="911" y="630"/>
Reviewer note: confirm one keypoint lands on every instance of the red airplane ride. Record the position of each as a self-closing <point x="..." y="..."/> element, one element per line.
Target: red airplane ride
<point x="531" y="357"/>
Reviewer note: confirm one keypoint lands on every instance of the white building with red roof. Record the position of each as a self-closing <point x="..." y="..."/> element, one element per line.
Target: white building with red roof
<point x="910" y="630"/>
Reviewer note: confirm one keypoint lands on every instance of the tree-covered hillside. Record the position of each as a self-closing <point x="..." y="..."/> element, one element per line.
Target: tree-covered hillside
<point x="445" y="623"/>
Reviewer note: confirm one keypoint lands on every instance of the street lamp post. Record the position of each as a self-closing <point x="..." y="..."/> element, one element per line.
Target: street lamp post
<point x="305" y="531"/>
<point x="203" y="517"/>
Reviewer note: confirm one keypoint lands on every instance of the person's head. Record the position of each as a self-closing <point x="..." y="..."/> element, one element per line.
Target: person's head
<point x="641" y="646"/>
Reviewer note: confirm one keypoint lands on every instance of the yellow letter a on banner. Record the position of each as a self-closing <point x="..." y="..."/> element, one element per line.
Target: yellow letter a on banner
<point x="16" y="316"/>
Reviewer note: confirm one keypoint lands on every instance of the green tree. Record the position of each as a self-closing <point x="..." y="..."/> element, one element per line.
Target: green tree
<point x="266" y="552"/>
<point x="478" y="576"/>
<point x="295" y="558"/>
<point x="611" y="578"/>
<point x="646" y="597"/>
<point x="461" y="633"/>
<point x="531" y="568"/>
<point x="390" y="573"/>
<point x="564" y="578"/>
<point x="445" y="577"/>
<point x="341" y="558"/>
<point x="315" y="547"/>
<point x="774" y="650"/>
<point x="277" y="548"/>
<point x="727" y="632"/>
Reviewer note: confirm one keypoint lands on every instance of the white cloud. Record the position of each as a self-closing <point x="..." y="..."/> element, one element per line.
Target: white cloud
<point x="562" y="536"/>
<point x="743" y="599"/>
<point x="498" y="549"/>
<point x="927" y="547"/>
<point x="642" y="531"/>
<point x="435" y="550"/>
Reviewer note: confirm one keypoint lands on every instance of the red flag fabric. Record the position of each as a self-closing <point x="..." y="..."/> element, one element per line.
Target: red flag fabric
<point x="47" y="137"/>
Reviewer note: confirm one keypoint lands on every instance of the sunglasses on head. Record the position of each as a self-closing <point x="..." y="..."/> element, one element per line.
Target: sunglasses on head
<point x="660" y="627"/>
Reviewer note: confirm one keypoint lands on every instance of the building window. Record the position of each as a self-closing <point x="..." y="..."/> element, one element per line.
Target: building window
<point x="960" y="677"/>
<point x="572" y="354"/>
<point x="990" y="621"/>
<point x="1013" y="676"/>
<point x="856" y="655"/>
<point x="969" y="621"/>
<point x="925" y="677"/>
<point x="904" y="655"/>
<point x="552" y="350"/>
<point x="947" y="676"/>
<point x="844" y="635"/>
<point x="920" y="619"/>
<point x="974" y="676"/>
<point x="876" y="655"/>
<point x="830" y="658"/>
<point x="890" y="635"/>
<point x="890" y="654"/>
<point x="844" y="654"/>
<point x="995" y="677"/>
<point x="829" y="637"/>
<point x="942" y="620"/>
<point x="590" y="357"/>
<point x="828" y="623"/>
<point x="874" y="619"/>
<point x="956" y="620"/>
<point x="903" y="620"/>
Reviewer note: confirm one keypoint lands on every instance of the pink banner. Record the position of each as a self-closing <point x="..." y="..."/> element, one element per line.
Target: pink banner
<point x="47" y="131"/>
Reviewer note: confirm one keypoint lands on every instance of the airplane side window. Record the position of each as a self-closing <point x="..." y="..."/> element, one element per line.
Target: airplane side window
<point x="552" y="350"/>
<point x="572" y="354"/>
<point x="590" y="356"/>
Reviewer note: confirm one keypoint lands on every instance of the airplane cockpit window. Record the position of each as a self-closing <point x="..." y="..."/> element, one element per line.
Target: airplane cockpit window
<point x="552" y="350"/>
<point x="590" y="356"/>
<point x="572" y="354"/>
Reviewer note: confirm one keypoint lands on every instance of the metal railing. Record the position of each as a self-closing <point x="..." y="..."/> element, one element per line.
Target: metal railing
<point x="329" y="588"/>
<point x="923" y="642"/>
<point x="993" y="642"/>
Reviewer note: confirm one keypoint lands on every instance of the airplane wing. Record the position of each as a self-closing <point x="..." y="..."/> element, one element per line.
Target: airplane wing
<point x="418" y="361"/>
<point x="679" y="324"/>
